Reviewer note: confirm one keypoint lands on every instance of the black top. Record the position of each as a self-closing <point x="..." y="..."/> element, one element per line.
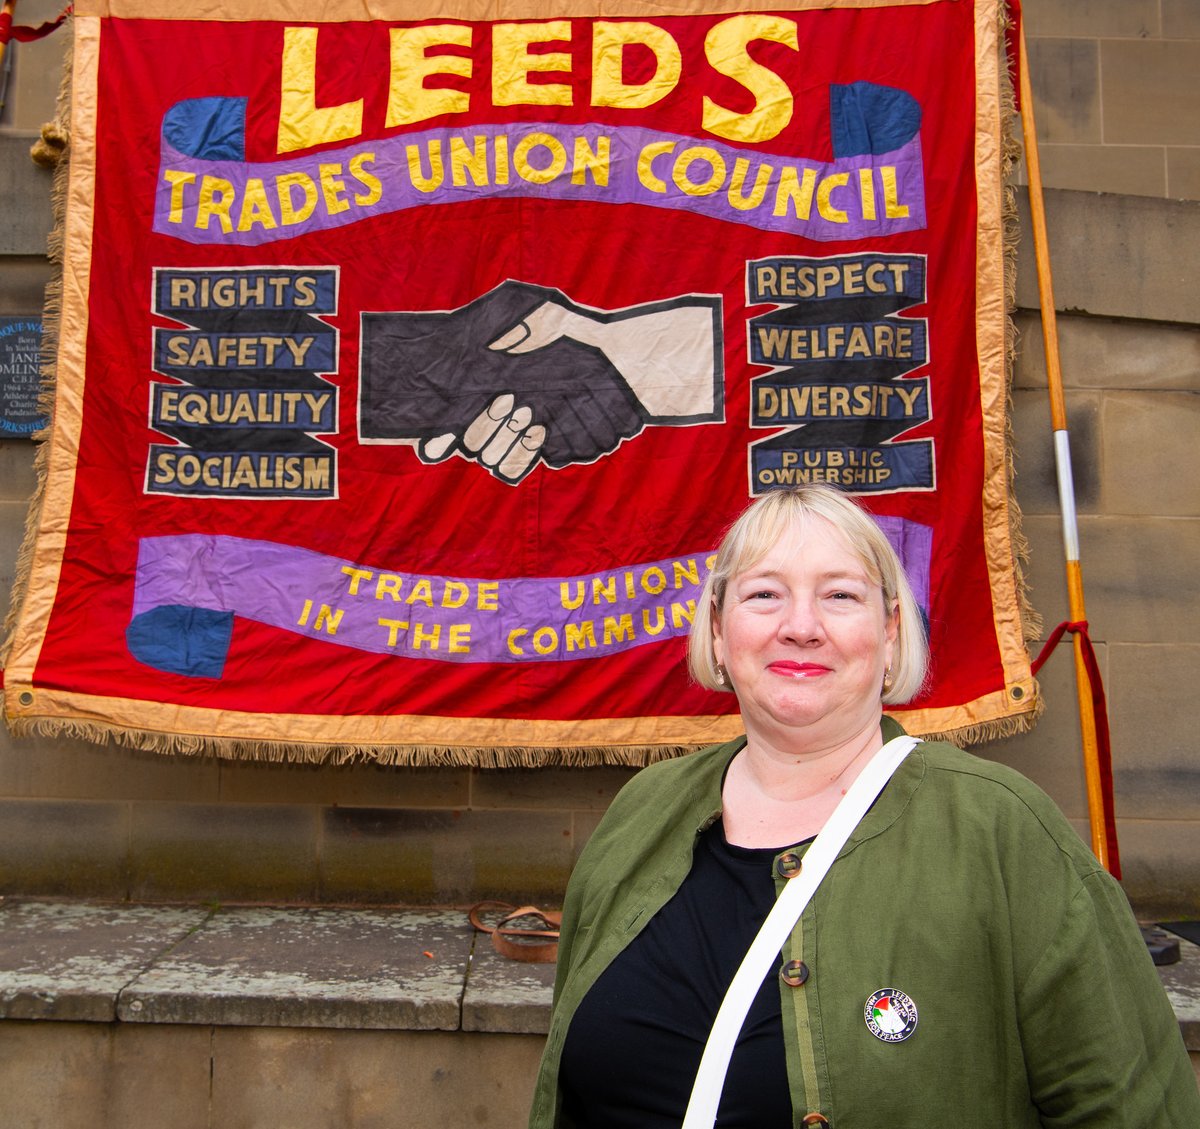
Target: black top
<point x="635" y="1042"/>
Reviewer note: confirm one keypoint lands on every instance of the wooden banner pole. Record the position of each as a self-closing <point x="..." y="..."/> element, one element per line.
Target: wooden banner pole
<point x="1062" y="459"/>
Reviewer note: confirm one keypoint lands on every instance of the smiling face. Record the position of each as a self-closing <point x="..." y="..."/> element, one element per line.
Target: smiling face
<point x="806" y="640"/>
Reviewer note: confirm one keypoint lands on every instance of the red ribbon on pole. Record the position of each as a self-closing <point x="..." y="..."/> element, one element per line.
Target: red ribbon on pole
<point x="9" y="31"/>
<point x="1103" y="740"/>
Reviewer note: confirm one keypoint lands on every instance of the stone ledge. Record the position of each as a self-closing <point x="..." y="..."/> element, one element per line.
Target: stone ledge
<point x="71" y="960"/>
<point x="403" y="969"/>
<point x="379" y="969"/>
<point x="1182" y="982"/>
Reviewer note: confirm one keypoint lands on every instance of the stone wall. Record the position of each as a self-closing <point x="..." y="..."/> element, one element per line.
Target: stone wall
<point x="1130" y="351"/>
<point x="1118" y="105"/>
<point x="125" y="1076"/>
<point x="1116" y="101"/>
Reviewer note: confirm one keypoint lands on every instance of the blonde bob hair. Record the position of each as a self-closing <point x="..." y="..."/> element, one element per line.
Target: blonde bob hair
<point x="760" y="528"/>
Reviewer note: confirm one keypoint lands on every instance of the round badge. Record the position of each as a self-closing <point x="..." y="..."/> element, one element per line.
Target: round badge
<point x="891" y="1015"/>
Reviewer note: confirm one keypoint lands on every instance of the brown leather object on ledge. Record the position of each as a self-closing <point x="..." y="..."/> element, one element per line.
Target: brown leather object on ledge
<point x="513" y="937"/>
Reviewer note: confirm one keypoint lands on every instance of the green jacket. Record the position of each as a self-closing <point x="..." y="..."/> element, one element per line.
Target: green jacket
<point x="965" y="889"/>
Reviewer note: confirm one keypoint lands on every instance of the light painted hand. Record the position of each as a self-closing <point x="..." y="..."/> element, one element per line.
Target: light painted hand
<point x="502" y="437"/>
<point x="666" y="356"/>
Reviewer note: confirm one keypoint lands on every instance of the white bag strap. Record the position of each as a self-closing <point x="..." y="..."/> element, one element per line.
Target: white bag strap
<point x="764" y="950"/>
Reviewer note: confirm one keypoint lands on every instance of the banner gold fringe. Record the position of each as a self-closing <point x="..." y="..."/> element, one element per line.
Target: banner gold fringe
<point x="51" y="328"/>
<point x="280" y="752"/>
<point x="990" y="730"/>
<point x="1031" y="620"/>
<point x="429" y="755"/>
<point x="425" y="756"/>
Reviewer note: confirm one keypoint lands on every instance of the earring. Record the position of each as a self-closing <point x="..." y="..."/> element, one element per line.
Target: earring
<point x="887" y="680"/>
<point x="721" y="678"/>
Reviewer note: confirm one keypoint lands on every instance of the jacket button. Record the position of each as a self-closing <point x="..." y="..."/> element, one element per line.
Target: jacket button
<point x="816" y="1121"/>
<point x="788" y="864"/>
<point x="794" y="973"/>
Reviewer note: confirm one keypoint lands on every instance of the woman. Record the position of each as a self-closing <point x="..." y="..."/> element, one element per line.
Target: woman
<point x="966" y="962"/>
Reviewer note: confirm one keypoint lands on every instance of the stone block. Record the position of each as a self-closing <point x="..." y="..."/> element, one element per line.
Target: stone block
<point x="1111" y="18"/>
<point x="506" y="995"/>
<point x="1151" y="96"/>
<point x="146" y="1076"/>
<point x="248" y="781"/>
<point x="576" y="789"/>
<point x="1115" y="256"/>
<point x="244" y="852"/>
<point x="381" y="855"/>
<point x="1140" y="578"/>
<point x="24" y="228"/>
<point x="64" y="848"/>
<point x="1183" y="173"/>
<point x="1182" y="983"/>
<point x="104" y="1076"/>
<point x="37" y="68"/>
<point x="1180" y="19"/>
<point x="1160" y="862"/>
<point x="309" y="1079"/>
<point x="1107" y="353"/>
<point x="1136" y="169"/>
<point x="1045" y="573"/>
<point x="70" y="960"/>
<point x="23" y="292"/>
<point x="583" y="825"/>
<point x="1138" y="575"/>
<point x="1156" y="770"/>
<point x="1065" y="77"/>
<point x="12" y="533"/>
<point x="310" y="968"/>
<point x="1036" y="478"/>
<point x="18" y="480"/>
<point x="68" y="768"/>
<point x="1149" y="453"/>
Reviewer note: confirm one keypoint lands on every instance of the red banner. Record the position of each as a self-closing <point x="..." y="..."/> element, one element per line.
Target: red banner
<point x="409" y="369"/>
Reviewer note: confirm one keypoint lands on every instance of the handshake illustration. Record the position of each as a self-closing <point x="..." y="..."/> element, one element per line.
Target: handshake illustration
<point x="523" y="374"/>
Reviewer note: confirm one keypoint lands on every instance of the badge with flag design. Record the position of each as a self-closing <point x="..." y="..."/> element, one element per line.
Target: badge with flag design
<point x="891" y="1015"/>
